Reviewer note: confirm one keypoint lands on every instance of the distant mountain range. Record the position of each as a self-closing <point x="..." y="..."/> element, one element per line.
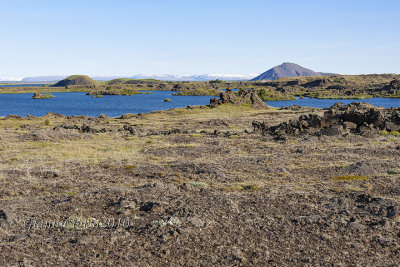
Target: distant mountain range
<point x="162" y="77"/>
<point x="284" y="70"/>
<point x="203" y="77"/>
<point x="287" y="70"/>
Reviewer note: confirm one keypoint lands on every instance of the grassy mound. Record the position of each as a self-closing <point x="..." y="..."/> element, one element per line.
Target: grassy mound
<point x="77" y="80"/>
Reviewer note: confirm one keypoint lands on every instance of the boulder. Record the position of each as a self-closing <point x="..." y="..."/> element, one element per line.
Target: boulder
<point x="228" y="97"/>
<point x="333" y="130"/>
<point x="361" y="118"/>
<point x="244" y="96"/>
<point x="395" y="84"/>
<point x="215" y="102"/>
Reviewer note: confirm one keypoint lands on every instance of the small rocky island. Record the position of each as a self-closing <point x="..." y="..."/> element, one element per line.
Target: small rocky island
<point x="42" y="96"/>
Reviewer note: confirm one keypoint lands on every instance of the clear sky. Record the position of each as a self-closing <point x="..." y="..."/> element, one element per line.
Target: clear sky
<point x="126" y="37"/>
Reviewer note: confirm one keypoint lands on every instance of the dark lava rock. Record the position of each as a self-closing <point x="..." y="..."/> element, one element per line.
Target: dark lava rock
<point x="292" y="107"/>
<point x="395" y="84"/>
<point x="358" y="118"/>
<point x="66" y="126"/>
<point x="88" y="129"/>
<point x="3" y="215"/>
<point x="244" y="96"/>
<point x="129" y="129"/>
<point x="215" y="102"/>
<point x="14" y="117"/>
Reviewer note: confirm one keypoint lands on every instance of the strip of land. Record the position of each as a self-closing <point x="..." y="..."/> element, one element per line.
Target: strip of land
<point x="323" y="87"/>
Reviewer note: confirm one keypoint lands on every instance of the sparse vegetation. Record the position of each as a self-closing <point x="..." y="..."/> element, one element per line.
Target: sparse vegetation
<point x="42" y="96"/>
<point x="199" y="92"/>
<point x="198" y="184"/>
<point x="324" y="87"/>
<point x="246" y="187"/>
<point x="394" y="171"/>
<point x="349" y="178"/>
<point x="394" y="133"/>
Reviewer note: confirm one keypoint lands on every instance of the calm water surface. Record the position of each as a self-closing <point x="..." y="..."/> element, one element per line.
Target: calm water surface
<point x="23" y="85"/>
<point x="81" y="104"/>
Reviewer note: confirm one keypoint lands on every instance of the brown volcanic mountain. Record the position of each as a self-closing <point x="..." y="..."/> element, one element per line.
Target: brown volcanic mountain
<point x="286" y="70"/>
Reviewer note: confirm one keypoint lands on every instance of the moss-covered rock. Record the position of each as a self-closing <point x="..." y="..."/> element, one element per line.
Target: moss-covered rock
<point x="42" y="96"/>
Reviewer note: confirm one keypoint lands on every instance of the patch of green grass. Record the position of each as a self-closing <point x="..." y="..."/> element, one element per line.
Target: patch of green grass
<point x="349" y="178"/>
<point x="70" y="193"/>
<point x="394" y="171"/>
<point x="395" y="133"/>
<point x="130" y="167"/>
<point x="190" y="145"/>
<point x="271" y="95"/>
<point x="198" y="184"/>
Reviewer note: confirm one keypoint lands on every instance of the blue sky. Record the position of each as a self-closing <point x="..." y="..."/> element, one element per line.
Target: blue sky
<point x="121" y="37"/>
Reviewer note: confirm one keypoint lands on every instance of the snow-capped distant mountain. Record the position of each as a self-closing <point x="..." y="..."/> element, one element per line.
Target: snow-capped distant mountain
<point x="59" y="77"/>
<point x="43" y="79"/>
<point x="162" y="77"/>
<point x="203" y="77"/>
<point x="9" y="79"/>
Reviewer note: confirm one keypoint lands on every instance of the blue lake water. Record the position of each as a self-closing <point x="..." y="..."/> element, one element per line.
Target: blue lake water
<point x="82" y="104"/>
<point x="22" y="85"/>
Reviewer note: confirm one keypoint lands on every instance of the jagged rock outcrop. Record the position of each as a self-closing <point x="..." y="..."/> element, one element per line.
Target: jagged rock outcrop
<point x="395" y="84"/>
<point x="359" y="118"/>
<point x="244" y="96"/>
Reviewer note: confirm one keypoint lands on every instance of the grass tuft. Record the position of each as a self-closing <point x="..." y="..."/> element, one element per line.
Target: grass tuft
<point x="349" y="178"/>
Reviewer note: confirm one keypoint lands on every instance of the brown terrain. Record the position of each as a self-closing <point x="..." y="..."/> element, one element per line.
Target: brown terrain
<point x="233" y="185"/>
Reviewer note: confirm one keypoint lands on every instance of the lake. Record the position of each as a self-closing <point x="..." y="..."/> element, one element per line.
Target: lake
<point x="82" y="104"/>
<point x="24" y="85"/>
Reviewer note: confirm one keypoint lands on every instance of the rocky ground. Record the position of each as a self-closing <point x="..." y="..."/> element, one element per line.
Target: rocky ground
<point x="230" y="185"/>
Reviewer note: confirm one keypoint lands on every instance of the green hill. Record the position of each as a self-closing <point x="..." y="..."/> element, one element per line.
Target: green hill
<point x="77" y="80"/>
